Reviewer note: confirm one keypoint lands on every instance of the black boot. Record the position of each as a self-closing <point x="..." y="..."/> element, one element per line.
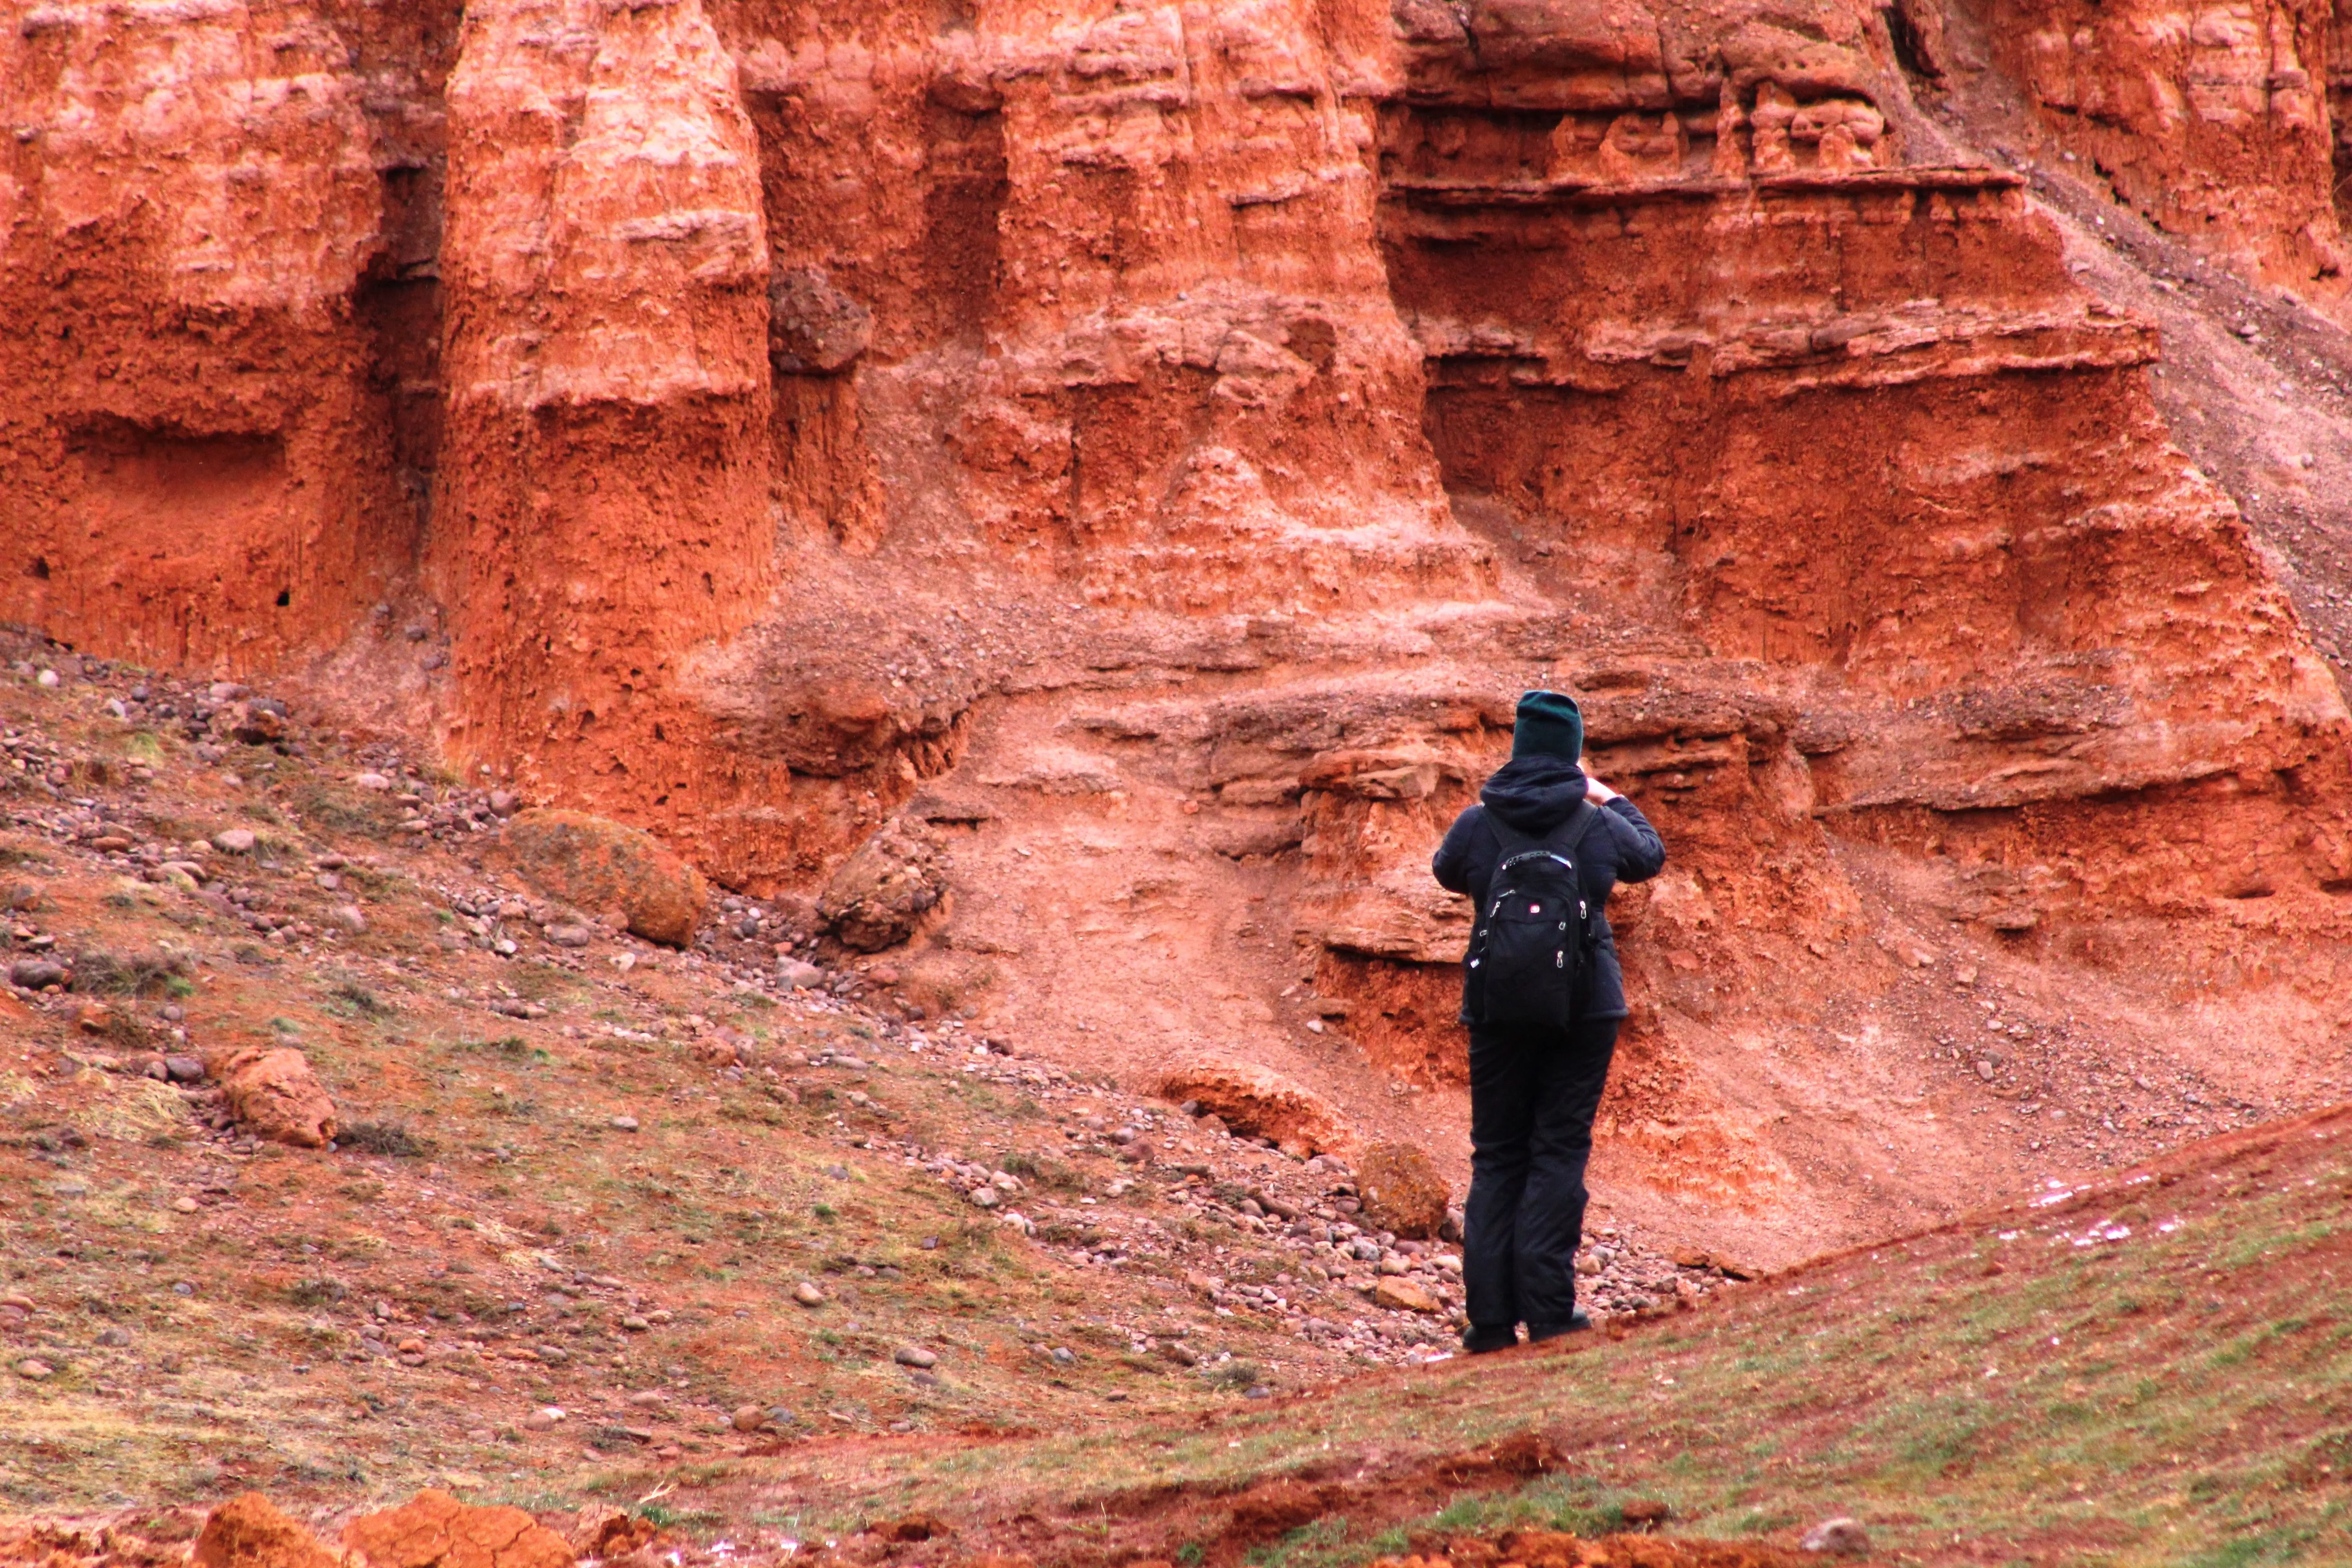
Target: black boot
<point x="1579" y="1319"/>
<point x="1478" y="1339"/>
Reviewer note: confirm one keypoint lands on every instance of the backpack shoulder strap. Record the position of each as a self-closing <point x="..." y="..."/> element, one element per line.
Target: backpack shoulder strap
<point x="1511" y="840"/>
<point x="1589" y="817"/>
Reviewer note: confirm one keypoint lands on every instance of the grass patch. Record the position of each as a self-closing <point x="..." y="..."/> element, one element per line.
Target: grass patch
<point x="350" y="997"/>
<point x="338" y="811"/>
<point x="100" y="973"/>
<point x="388" y="1138"/>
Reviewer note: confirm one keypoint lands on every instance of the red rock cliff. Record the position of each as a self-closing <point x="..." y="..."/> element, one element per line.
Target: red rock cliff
<point x="1142" y="449"/>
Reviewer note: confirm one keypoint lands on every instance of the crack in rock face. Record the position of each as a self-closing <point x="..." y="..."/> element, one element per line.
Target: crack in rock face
<point x="433" y="1530"/>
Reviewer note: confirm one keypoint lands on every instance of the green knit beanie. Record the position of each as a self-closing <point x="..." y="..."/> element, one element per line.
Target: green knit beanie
<point x="1549" y="725"/>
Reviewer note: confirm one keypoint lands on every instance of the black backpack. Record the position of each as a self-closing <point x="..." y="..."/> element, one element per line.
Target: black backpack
<point x="1526" y="955"/>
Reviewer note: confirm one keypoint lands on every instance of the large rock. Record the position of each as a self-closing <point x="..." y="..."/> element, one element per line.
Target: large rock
<point x="433" y="1530"/>
<point x="813" y="327"/>
<point x="604" y="866"/>
<point x="1401" y="1190"/>
<point x="248" y="1532"/>
<point x="1259" y="1103"/>
<point x="273" y="1094"/>
<point x="883" y="891"/>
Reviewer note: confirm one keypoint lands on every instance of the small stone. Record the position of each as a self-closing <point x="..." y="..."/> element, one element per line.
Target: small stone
<point x="807" y="1294"/>
<point x="351" y="917"/>
<point x="113" y="1338"/>
<point x="570" y="935"/>
<point x="372" y="781"/>
<point x="748" y="1418"/>
<point x="47" y="677"/>
<point x="184" y="1205"/>
<point x="1985" y="1069"/>
<point x="185" y="1069"/>
<point x="795" y="975"/>
<point x="624" y="1124"/>
<point x="1404" y="1296"/>
<point x="36" y="973"/>
<point x="1841" y="1537"/>
<point x="915" y="1356"/>
<point x="35" y="1368"/>
<point x="505" y="803"/>
<point x="634" y="1324"/>
<point x="234" y="841"/>
<point x="986" y="1197"/>
<point x="543" y="1418"/>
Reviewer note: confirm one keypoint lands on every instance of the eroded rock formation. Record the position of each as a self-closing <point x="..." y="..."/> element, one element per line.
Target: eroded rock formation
<point x="1137" y="451"/>
<point x="2221" y="123"/>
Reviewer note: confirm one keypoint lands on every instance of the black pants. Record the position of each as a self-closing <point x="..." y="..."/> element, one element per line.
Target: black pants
<point x="1532" y="1100"/>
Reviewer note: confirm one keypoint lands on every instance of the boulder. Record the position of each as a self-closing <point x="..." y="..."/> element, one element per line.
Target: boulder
<point x="1259" y="1103"/>
<point x="594" y="863"/>
<point x="33" y="973"/>
<point x="254" y="723"/>
<point x="273" y="1094"/>
<point x="813" y="327"/>
<point x="883" y="891"/>
<point x="1401" y="1190"/>
<point x="433" y="1530"/>
<point x="248" y="1532"/>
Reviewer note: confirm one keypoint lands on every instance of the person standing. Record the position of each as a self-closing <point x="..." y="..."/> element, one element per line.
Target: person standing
<point x="1543" y="998"/>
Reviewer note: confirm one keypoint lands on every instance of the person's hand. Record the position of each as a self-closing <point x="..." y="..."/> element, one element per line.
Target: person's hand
<point x="1596" y="792"/>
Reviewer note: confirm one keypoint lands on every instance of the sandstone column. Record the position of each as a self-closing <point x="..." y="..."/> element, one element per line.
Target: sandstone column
<point x="605" y="266"/>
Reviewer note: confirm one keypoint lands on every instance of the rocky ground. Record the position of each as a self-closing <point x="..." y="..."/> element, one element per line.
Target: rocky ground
<point x="2144" y="1369"/>
<point x="574" y="1195"/>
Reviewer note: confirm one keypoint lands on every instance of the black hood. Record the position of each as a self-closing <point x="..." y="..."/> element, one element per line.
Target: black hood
<point x="1534" y="795"/>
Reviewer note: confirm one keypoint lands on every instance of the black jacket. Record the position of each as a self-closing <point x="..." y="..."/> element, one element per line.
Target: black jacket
<point x="1536" y="794"/>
